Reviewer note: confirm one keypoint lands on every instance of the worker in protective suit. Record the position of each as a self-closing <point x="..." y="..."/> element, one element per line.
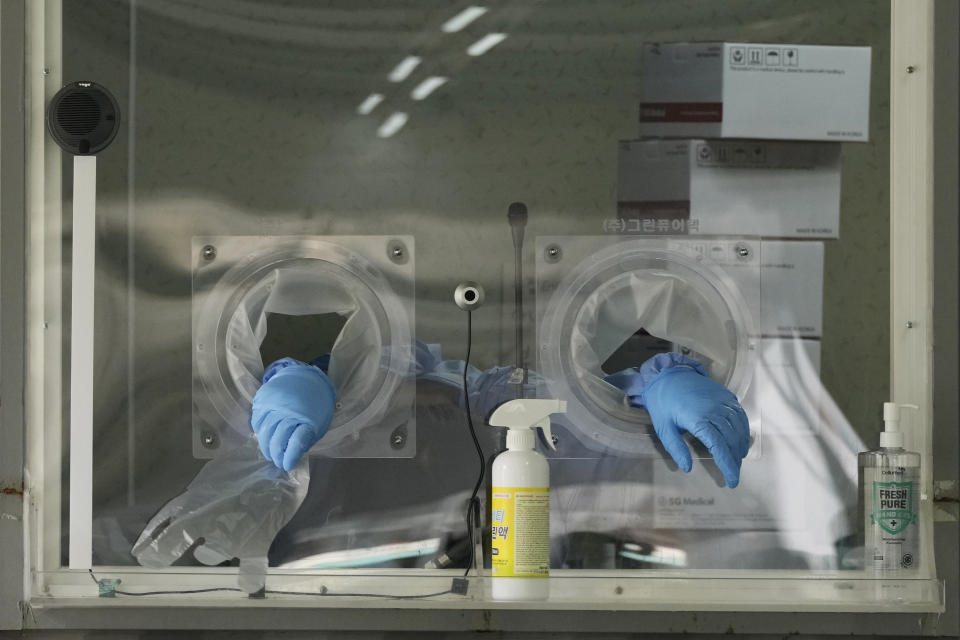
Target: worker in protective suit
<point x="294" y="407"/>
<point x="240" y="500"/>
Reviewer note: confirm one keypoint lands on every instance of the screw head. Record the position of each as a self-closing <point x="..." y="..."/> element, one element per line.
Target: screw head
<point x="397" y="252"/>
<point x="208" y="439"/>
<point x="553" y="253"/>
<point x="398" y="438"/>
<point x="909" y="324"/>
<point x="911" y="68"/>
<point x="46" y="71"/>
<point x="742" y="251"/>
<point x="209" y="252"/>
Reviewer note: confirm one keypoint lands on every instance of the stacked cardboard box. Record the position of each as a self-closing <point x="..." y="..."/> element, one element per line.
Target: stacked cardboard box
<point x="743" y="139"/>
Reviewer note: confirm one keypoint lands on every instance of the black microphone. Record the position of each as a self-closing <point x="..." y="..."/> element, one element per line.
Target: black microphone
<point x="517" y="215"/>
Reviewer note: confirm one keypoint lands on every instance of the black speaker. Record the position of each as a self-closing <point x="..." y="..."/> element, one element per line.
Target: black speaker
<point x="83" y="118"/>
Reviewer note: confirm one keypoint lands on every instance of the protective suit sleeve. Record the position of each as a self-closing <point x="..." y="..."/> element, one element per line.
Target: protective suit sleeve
<point x="680" y="397"/>
<point x="488" y="388"/>
<point x="233" y="508"/>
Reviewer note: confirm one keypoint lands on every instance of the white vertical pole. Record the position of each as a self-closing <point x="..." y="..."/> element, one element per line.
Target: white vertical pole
<point x="81" y="361"/>
<point x="42" y="470"/>
<point x="911" y="238"/>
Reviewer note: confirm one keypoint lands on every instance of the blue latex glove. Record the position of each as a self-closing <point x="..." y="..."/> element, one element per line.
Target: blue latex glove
<point x="292" y="410"/>
<point x="679" y="396"/>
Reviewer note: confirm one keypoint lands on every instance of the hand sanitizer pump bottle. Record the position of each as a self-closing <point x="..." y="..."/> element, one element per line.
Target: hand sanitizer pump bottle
<point x="889" y="482"/>
<point x="520" y="505"/>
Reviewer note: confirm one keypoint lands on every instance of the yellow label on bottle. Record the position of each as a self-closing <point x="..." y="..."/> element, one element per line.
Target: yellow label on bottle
<point x="520" y="532"/>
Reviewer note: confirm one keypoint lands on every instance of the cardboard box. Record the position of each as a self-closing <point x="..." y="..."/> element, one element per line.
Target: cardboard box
<point x="723" y="187"/>
<point x="785" y="294"/>
<point x="790" y="288"/>
<point x="753" y="90"/>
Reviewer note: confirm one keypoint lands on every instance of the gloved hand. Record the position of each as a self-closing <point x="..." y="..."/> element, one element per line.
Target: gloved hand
<point x="237" y="503"/>
<point x="679" y="396"/>
<point x="292" y="410"/>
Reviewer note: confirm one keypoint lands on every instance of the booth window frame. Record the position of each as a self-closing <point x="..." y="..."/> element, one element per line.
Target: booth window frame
<point x="39" y="593"/>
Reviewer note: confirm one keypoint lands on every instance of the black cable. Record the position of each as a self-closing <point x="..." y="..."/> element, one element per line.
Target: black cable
<point x="188" y="591"/>
<point x="473" y="507"/>
<point x="324" y="593"/>
<point x="160" y="593"/>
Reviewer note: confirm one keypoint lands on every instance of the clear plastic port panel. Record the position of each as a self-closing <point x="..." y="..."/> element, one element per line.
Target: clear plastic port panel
<point x="301" y="179"/>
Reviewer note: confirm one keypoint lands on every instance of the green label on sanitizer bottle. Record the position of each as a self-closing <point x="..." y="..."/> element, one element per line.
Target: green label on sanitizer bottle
<point x="892" y="532"/>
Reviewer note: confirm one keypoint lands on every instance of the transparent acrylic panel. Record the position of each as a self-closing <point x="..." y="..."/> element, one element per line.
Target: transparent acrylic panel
<point x="364" y="287"/>
<point x="278" y="120"/>
<point x="605" y="303"/>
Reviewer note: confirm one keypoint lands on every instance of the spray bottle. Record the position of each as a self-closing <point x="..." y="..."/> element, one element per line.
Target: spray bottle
<point x="889" y="480"/>
<point x="520" y="504"/>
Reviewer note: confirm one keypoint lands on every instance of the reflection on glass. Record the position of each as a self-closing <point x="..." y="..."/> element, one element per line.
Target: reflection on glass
<point x="462" y="19"/>
<point x="404" y="69"/>
<point x="392" y="124"/>
<point x="428" y="86"/>
<point x="370" y="103"/>
<point x="486" y="43"/>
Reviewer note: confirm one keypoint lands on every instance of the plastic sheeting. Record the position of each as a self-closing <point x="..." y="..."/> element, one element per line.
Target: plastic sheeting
<point x="357" y="278"/>
<point x="662" y="303"/>
<point x="297" y="291"/>
<point x="604" y="291"/>
<point x="232" y="509"/>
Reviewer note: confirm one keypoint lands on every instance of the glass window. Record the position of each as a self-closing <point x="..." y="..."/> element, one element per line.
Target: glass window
<point x="618" y="181"/>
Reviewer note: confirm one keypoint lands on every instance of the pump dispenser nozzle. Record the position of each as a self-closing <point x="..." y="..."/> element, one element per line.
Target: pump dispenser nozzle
<point x="521" y="416"/>
<point x="891" y="437"/>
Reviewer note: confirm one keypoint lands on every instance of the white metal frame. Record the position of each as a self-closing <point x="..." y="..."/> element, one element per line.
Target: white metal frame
<point x="911" y="236"/>
<point x="42" y="472"/>
<point x="12" y="316"/>
<point x="51" y="587"/>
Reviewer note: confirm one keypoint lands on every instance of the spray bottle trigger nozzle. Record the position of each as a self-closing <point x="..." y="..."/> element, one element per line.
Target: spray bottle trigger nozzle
<point x="526" y="414"/>
<point x="544" y="426"/>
